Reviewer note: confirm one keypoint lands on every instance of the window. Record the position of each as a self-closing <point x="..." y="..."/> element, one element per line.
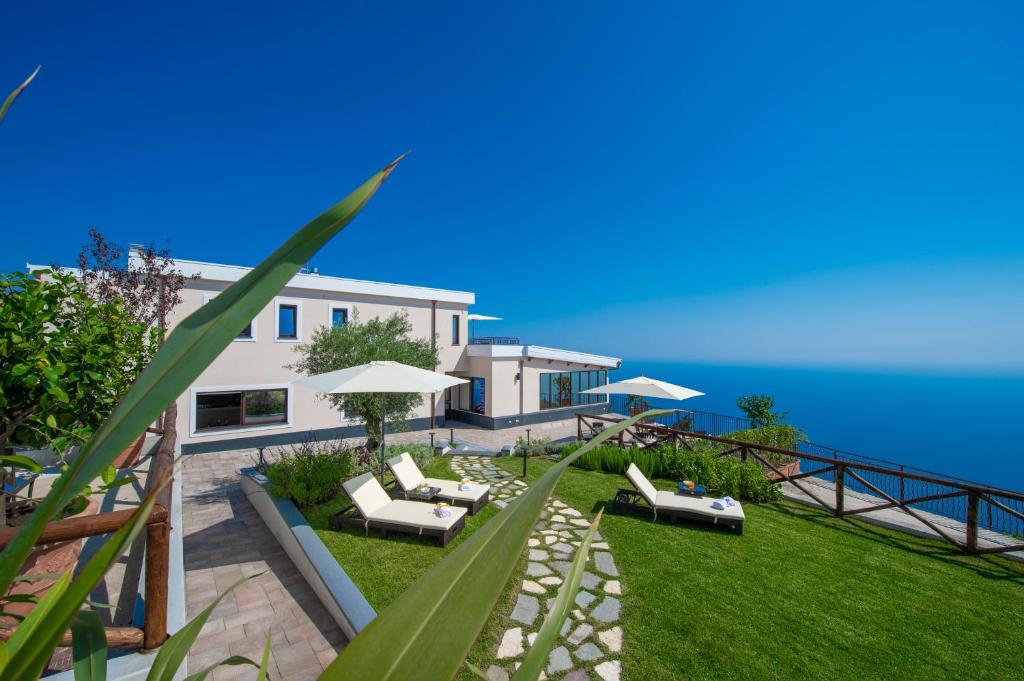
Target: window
<point x="455" y="329"/>
<point x="246" y="334"/>
<point x="565" y="389"/>
<point x="288" y="321"/>
<point x="477" y="395"/>
<point x="339" y="316"/>
<point x="220" y="410"/>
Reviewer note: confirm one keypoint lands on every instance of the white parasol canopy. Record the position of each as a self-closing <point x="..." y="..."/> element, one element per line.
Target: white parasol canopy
<point x="646" y="387"/>
<point x="380" y="377"/>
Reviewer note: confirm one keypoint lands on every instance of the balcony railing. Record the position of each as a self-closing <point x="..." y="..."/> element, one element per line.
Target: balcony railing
<point x="495" y="340"/>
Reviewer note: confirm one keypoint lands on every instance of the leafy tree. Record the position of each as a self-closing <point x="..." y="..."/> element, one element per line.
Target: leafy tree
<point x="355" y="343"/>
<point x="758" y="409"/>
<point x="65" y="360"/>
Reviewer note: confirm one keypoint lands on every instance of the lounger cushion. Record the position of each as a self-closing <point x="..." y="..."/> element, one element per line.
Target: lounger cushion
<point x="642" y="484"/>
<point x="417" y="514"/>
<point x="366" y="493"/>
<point x="405" y="470"/>
<point x="699" y="505"/>
<point x="409" y="478"/>
<point x="450" y="489"/>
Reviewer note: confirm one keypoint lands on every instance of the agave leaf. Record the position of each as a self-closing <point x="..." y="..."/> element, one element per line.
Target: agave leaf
<point x="14" y="95"/>
<point x="479" y="673"/>
<point x="38" y="614"/>
<point x="265" y="662"/>
<point x="173" y="651"/>
<point x="89" y="647"/>
<point x="35" y="578"/>
<point x="233" y="660"/>
<point x="535" y="660"/>
<point x="43" y="637"/>
<point x="430" y="629"/>
<point x="188" y="350"/>
<point x="19" y="461"/>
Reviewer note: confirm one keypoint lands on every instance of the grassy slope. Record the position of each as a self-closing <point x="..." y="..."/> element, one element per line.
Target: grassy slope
<point x="800" y="595"/>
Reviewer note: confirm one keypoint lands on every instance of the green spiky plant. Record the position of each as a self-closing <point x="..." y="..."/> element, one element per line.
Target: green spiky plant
<point x="426" y="634"/>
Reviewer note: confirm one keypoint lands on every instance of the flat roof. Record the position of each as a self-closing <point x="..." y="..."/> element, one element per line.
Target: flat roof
<point x="541" y="352"/>
<point x="210" y="271"/>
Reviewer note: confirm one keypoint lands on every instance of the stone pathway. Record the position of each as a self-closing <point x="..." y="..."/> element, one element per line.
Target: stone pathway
<point x="591" y="638"/>
<point x="504" y="486"/>
<point x="225" y="540"/>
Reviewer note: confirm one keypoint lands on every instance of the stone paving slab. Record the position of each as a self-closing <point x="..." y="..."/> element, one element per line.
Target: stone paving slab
<point x="226" y="540"/>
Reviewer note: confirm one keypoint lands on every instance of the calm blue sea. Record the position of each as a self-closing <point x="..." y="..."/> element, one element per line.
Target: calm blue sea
<point x="967" y="426"/>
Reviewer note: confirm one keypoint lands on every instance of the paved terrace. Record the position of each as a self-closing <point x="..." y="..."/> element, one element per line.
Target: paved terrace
<point x="226" y="540"/>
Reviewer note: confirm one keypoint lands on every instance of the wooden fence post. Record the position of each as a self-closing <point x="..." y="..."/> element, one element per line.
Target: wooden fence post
<point x="744" y="454"/>
<point x="157" y="568"/>
<point x="840" y="493"/>
<point x="579" y="427"/>
<point x="972" y="522"/>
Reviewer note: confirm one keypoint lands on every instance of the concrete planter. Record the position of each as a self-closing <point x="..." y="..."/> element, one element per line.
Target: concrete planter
<point x="332" y="586"/>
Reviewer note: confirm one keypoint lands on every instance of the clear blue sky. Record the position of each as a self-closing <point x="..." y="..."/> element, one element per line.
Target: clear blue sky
<point x="736" y="182"/>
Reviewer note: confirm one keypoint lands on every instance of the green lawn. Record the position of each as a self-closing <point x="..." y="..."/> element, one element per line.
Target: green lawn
<point x="800" y="595"/>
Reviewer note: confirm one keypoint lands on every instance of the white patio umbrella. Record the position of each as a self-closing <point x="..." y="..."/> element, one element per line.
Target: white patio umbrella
<point x="646" y="387"/>
<point x="381" y="377"/>
<point x="474" y="318"/>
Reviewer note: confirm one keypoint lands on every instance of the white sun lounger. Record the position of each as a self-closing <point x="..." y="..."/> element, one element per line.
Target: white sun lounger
<point x="409" y="478"/>
<point x="674" y="506"/>
<point x="379" y="511"/>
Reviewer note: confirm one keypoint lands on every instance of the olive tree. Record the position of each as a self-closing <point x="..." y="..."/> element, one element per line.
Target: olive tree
<point x="355" y="343"/>
<point x="758" y="409"/>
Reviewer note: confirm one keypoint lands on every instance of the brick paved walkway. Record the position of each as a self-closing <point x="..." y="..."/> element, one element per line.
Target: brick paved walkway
<point x="225" y="540"/>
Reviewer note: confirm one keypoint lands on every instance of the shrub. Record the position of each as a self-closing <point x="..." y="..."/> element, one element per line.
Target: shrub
<point x="310" y="473"/>
<point x="422" y="454"/>
<point x="780" y="435"/>
<point x="537" y="447"/>
<point x="724" y="475"/>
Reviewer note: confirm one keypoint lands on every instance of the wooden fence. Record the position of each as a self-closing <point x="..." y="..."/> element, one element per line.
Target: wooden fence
<point x="841" y="473"/>
<point x="153" y="545"/>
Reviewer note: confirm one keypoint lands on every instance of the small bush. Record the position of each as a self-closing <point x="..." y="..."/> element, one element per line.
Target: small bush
<point x="422" y="454"/>
<point x="310" y="473"/>
<point x="538" y="446"/>
<point x="724" y="475"/>
<point x="781" y="436"/>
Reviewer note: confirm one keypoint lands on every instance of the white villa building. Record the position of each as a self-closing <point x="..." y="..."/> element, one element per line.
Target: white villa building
<point x="246" y="397"/>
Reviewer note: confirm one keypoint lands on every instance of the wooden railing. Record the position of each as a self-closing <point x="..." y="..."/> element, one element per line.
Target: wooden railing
<point x="154" y="546"/>
<point x="840" y="472"/>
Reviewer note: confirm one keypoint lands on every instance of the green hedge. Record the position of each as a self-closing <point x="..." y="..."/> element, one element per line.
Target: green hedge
<point x="309" y="474"/>
<point x="723" y="475"/>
